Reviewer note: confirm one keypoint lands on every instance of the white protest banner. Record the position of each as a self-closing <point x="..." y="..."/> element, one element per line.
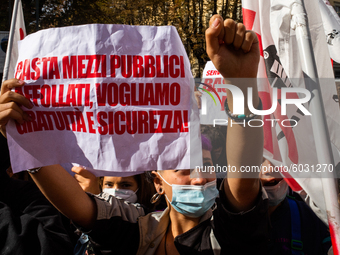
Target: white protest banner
<point x="213" y="96"/>
<point x="108" y="97"/>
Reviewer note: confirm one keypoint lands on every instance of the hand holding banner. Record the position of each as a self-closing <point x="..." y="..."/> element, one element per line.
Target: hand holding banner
<point x="118" y="102"/>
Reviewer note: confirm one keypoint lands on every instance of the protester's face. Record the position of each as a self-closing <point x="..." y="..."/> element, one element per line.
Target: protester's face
<point x="268" y="176"/>
<point x="110" y="182"/>
<point x="184" y="177"/>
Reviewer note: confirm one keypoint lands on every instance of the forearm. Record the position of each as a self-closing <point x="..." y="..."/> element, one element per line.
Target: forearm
<point x="244" y="148"/>
<point x="63" y="191"/>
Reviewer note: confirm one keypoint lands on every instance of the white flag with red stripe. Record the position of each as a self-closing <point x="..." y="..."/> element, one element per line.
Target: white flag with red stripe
<point x="19" y="34"/>
<point x="331" y="24"/>
<point x="292" y="146"/>
<point x="213" y="96"/>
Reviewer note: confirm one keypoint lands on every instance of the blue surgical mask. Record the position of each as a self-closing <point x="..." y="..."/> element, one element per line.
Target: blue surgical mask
<point x="193" y="200"/>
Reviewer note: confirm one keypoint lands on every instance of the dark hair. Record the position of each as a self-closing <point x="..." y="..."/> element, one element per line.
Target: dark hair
<point x="161" y="204"/>
<point x="149" y="176"/>
<point x="217" y="137"/>
<point x="145" y="191"/>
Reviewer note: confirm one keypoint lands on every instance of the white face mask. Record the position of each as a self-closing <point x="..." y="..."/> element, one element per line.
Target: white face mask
<point x="277" y="193"/>
<point x="125" y="194"/>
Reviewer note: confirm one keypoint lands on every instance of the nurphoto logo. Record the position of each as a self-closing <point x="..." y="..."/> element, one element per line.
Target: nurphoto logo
<point x="279" y="98"/>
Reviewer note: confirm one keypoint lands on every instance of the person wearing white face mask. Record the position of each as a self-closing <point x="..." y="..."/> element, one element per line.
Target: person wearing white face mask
<point x="133" y="189"/>
<point x="295" y="229"/>
<point x="121" y="187"/>
<point x="238" y="224"/>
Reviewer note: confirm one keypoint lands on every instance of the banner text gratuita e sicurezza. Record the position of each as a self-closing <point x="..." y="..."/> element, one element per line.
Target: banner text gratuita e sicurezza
<point x="107" y="93"/>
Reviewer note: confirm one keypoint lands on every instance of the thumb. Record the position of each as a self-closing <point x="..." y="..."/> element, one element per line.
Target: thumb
<point x="213" y="35"/>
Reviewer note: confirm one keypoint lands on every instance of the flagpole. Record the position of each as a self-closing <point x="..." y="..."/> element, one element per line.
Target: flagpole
<point x="10" y="40"/>
<point x="318" y="118"/>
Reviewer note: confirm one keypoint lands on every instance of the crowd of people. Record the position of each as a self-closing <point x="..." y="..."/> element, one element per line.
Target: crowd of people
<point x="164" y="211"/>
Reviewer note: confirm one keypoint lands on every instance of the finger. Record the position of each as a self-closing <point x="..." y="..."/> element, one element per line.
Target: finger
<point x="11" y="96"/>
<point x="221" y="34"/>
<point x="10" y="84"/>
<point x="250" y="40"/>
<point x="213" y="35"/>
<point x="12" y="110"/>
<point x="239" y="35"/>
<point x="79" y="178"/>
<point x="76" y="176"/>
<point x="83" y="172"/>
<point x="77" y="169"/>
<point x="14" y="106"/>
<point x="10" y="113"/>
<point x="10" y="105"/>
<point x="229" y="31"/>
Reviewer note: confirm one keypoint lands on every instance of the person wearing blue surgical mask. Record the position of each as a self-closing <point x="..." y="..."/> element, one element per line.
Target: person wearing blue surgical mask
<point x="189" y="196"/>
<point x="189" y="199"/>
<point x="238" y="223"/>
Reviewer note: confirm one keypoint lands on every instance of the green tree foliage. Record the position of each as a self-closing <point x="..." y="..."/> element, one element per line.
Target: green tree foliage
<point x="29" y="8"/>
<point x="190" y="17"/>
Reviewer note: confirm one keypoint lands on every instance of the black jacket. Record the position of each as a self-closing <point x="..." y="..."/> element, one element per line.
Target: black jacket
<point x="29" y="224"/>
